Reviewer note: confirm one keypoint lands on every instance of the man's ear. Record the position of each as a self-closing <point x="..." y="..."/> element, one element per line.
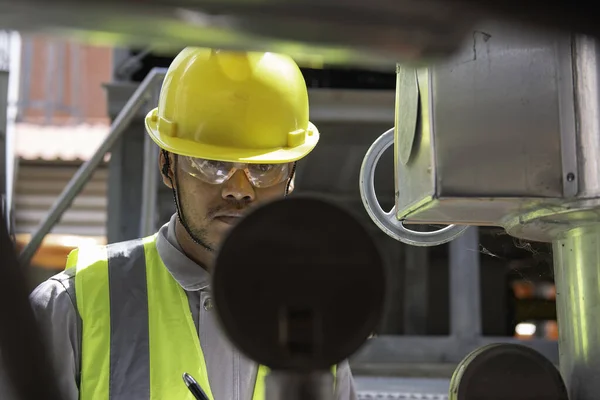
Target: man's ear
<point x="292" y="181"/>
<point x="166" y="165"/>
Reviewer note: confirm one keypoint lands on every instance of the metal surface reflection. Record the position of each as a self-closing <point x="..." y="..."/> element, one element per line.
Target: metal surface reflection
<point x="577" y="269"/>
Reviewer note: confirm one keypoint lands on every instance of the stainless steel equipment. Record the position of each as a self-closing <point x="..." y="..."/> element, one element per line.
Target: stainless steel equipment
<point x="495" y="134"/>
<point x="532" y="172"/>
<point x="507" y="133"/>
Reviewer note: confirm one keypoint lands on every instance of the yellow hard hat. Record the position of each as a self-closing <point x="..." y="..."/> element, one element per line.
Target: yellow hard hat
<point x="233" y="106"/>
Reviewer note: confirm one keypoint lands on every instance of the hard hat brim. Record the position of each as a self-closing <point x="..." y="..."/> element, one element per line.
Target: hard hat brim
<point x="229" y="154"/>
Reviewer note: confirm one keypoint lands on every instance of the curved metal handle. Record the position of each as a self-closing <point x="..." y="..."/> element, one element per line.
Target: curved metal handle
<point x="387" y="221"/>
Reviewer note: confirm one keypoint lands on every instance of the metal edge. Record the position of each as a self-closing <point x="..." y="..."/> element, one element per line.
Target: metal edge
<point x="429" y="102"/>
<point x="403" y="138"/>
<point x="566" y="112"/>
<point x="425" y="95"/>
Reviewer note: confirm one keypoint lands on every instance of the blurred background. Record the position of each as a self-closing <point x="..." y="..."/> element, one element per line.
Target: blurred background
<point x="62" y="96"/>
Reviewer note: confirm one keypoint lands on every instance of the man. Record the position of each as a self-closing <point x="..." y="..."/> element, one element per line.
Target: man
<point x="125" y="321"/>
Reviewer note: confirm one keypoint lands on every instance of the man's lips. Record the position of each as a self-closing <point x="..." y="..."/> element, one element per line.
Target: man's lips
<point x="228" y="218"/>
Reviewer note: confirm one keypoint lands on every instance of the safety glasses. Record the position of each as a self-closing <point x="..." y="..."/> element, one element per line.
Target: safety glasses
<point x="217" y="172"/>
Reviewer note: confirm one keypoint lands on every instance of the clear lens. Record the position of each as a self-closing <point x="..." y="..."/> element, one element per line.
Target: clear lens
<point x="217" y="172"/>
<point x="265" y="175"/>
<point x="208" y="171"/>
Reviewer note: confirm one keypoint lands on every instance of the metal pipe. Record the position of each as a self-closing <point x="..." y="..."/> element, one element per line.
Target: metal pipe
<point x="85" y="172"/>
<point x="149" y="182"/>
<point x="465" y="296"/>
<point x="289" y="385"/>
<point x="577" y="278"/>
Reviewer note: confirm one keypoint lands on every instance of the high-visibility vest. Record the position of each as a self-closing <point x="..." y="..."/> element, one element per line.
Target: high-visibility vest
<point x="125" y="287"/>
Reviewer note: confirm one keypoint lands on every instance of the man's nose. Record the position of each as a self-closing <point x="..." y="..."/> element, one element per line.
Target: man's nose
<point x="238" y="187"/>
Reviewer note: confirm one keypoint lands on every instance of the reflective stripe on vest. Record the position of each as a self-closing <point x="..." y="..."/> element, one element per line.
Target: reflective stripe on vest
<point x="111" y="284"/>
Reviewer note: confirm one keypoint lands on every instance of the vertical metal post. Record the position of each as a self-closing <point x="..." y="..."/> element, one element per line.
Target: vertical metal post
<point x="12" y="109"/>
<point x="465" y="298"/>
<point x="577" y="278"/>
<point x="125" y="183"/>
<point x="4" y="70"/>
<point x="149" y="180"/>
<point x="416" y="290"/>
<point x="3" y="148"/>
<point x="393" y="320"/>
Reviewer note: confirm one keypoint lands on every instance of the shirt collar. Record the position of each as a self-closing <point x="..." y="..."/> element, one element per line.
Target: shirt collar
<point x="190" y="275"/>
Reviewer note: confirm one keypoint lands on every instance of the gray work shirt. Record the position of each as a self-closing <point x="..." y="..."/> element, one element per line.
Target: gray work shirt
<point x="231" y="374"/>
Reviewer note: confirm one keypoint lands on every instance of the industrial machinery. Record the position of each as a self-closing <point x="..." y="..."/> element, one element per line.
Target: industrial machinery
<point x="299" y="334"/>
<point x="317" y="283"/>
<point x="507" y="133"/>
